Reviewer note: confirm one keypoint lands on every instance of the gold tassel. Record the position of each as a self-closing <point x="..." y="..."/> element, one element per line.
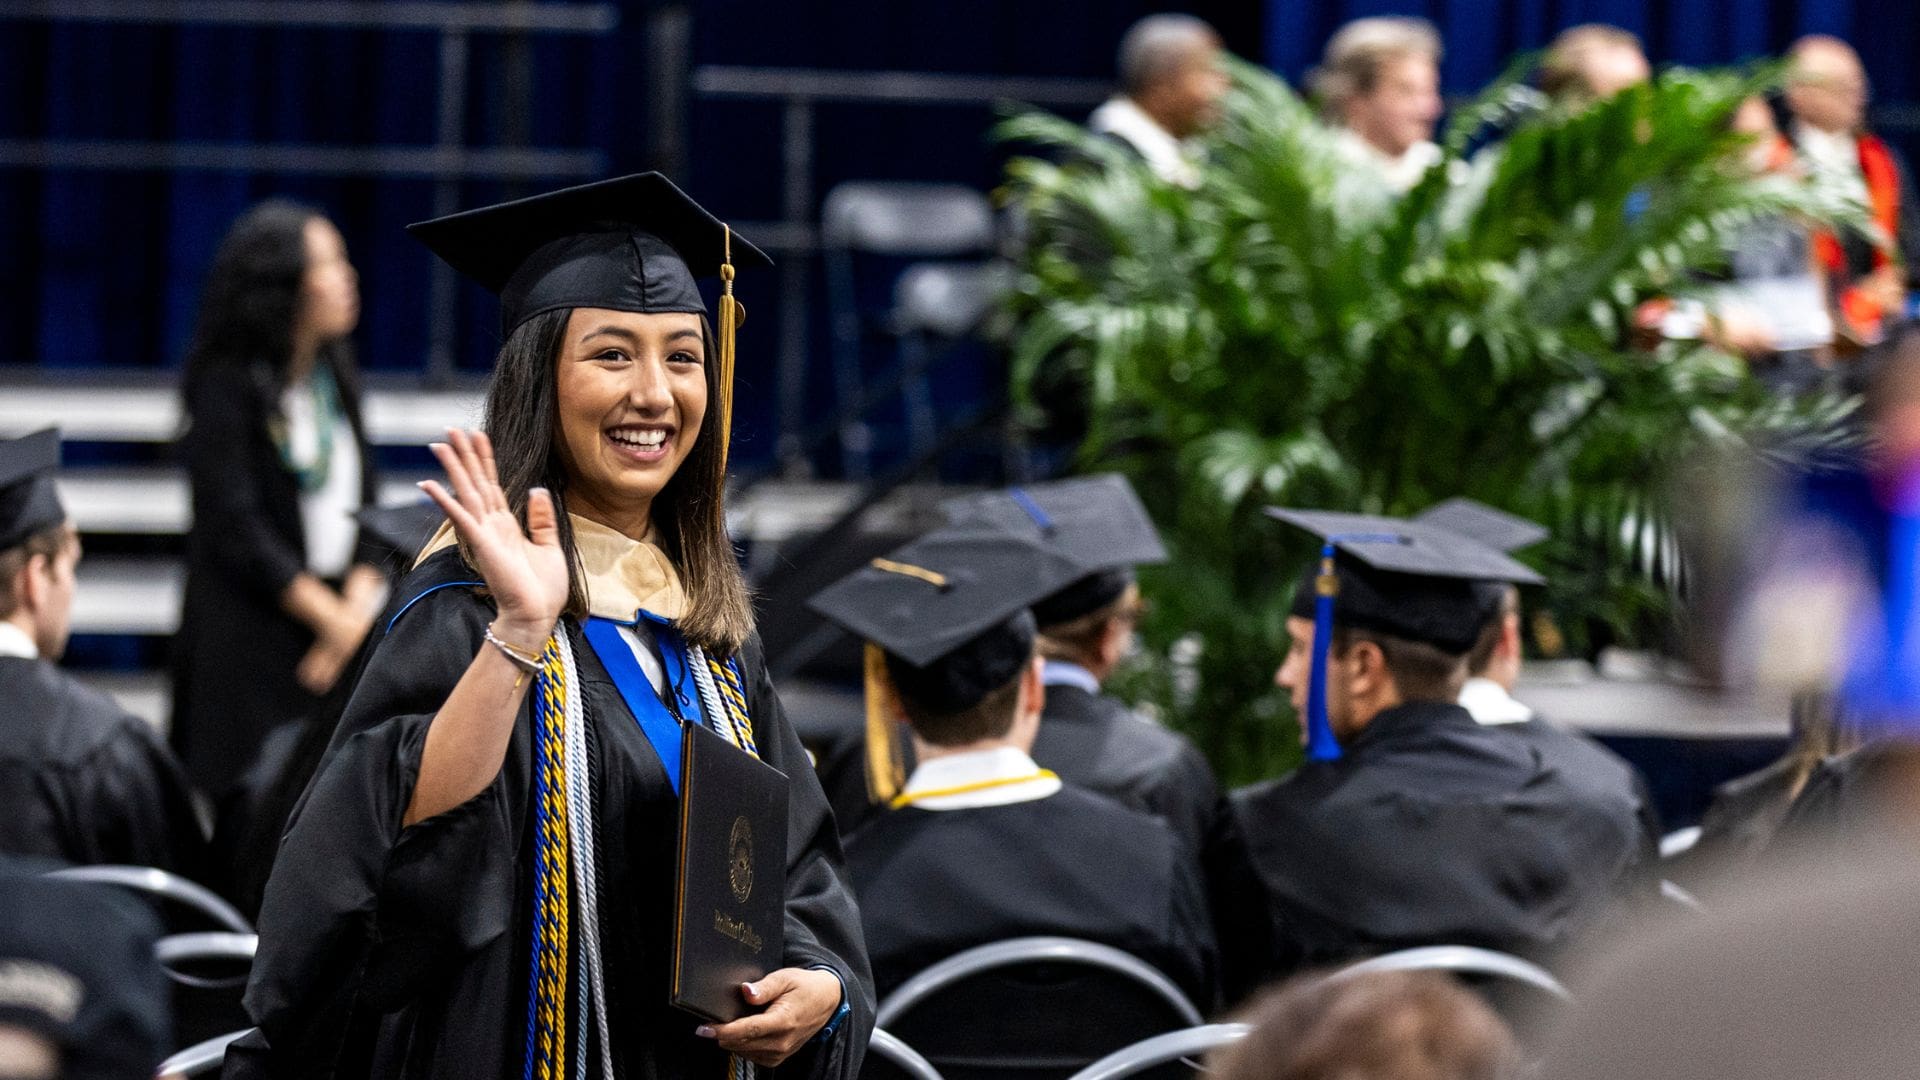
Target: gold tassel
<point x="732" y="314"/>
<point x="886" y="764"/>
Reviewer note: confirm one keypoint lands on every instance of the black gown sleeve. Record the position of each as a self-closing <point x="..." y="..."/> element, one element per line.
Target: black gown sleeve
<point x="1191" y="934"/>
<point x="823" y="922"/>
<point x="1243" y="920"/>
<point x="361" y="912"/>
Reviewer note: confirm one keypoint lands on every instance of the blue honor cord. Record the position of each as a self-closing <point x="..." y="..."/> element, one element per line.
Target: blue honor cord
<point x="1321" y="745"/>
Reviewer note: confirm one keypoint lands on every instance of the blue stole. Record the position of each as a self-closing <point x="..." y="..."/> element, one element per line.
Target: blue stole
<point x="657" y="722"/>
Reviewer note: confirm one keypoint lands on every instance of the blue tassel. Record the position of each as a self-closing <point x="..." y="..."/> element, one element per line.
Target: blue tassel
<point x="1321" y="745"/>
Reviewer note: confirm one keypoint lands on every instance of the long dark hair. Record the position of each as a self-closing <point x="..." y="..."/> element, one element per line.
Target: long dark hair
<point x="251" y="302"/>
<point x="689" y="514"/>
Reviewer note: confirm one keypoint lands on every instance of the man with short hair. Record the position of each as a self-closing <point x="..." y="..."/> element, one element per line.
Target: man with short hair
<point x="1093" y="739"/>
<point x="1379" y="84"/>
<point x="1826" y="99"/>
<point x="1592" y="62"/>
<point x="1410" y="824"/>
<point x="1171" y="83"/>
<point x="981" y="844"/>
<point x="81" y="780"/>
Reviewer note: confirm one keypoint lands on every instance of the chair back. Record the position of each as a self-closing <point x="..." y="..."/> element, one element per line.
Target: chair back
<point x="1039" y="1008"/>
<point x="890" y="1059"/>
<point x="1171" y="1054"/>
<point x="202" y="1058"/>
<point x="163" y="886"/>
<point x="946" y="300"/>
<point x="910" y="220"/>
<point x="1462" y="960"/>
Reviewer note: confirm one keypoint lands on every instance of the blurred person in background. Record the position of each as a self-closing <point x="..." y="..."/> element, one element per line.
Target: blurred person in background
<point x="81" y="779"/>
<point x="82" y="996"/>
<point x="1379" y="85"/>
<point x="279" y="590"/>
<point x="1171" y="83"/>
<point x="1826" y="100"/>
<point x="1592" y="62"/>
<point x="1386" y="1025"/>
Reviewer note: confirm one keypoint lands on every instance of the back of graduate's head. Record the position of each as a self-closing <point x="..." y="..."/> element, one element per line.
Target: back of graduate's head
<point x="1496" y="653"/>
<point x="38" y="545"/>
<point x="987" y="689"/>
<point x="1090" y="623"/>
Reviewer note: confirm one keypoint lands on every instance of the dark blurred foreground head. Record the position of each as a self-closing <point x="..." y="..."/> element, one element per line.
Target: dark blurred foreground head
<point x="1811" y="971"/>
<point x="1377" y="1026"/>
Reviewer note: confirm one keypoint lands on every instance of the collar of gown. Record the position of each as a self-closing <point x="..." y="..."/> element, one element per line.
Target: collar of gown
<point x="16" y="642"/>
<point x="1490" y="703"/>
<point x="622" y="576"/>
<point x="1014" y="776"/>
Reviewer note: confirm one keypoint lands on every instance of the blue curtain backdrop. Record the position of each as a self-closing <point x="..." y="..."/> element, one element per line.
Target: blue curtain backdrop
<point x="101" y="268"/>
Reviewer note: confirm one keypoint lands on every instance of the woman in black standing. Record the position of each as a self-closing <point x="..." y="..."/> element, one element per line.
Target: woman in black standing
<point x="480" y="880"/>
<point x="279" y="590"/>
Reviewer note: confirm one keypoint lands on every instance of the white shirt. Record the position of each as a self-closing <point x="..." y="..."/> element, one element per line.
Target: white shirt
<point x="1022" y="780"/>
<point x="1170" y="158"/>
<point x="15" y="642"/>
<point x="1401" y="173"/>
<point x="1490" y="703"/>
<point x="326" y="514"/>
<point x="646" y="652"/>
<point x="1068" y="673"/>
<point x="1834" y="157"/>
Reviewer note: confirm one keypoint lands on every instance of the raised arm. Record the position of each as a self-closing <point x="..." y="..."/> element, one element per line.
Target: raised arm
<point x="526" y="573"/>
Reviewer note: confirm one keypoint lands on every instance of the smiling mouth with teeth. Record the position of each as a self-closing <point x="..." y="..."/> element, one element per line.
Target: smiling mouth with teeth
<point x="643" y="439"/>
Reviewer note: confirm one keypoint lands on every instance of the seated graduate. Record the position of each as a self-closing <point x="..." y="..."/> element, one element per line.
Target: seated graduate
<point x="81" y="779"/>
<point x="982" y="844"/>
<point x="82" y="996"/>
<point x="1093" y="739"/>
<point x="1410" y="824"/>
<point x="480" y="880"/>
<point x="1493" y="668"/>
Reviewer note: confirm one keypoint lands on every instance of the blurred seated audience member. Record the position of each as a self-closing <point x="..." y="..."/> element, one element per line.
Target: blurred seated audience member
<point x="1171" y="83"/>
<point x="1592" y="62"/>
<point x="1826" y="100"/>
<point x="1411" y="824"/>
<point x="1379" y="85"/>
<point x="1493" y="669"/>
<point x="81" y="995"/>
<point x="81" y="779"/>
<point x="279" y="590"/>
<point x="1810" y="970"/>
<point x="981" y="843"/>
<point x="1388" y="1025"/>
<point x="1747" y="812"/>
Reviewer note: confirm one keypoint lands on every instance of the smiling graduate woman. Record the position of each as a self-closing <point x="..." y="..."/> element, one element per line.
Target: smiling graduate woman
<point x="479" y="882"/>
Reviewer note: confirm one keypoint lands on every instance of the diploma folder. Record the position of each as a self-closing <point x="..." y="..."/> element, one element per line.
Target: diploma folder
<point x="729" y="911"/>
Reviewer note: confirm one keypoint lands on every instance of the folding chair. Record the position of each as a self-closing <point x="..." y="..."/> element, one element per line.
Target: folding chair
<point x="893" y="222"/>
<point x="890" y="1059"/>
<point x="1679" y="841"/>
<point x="1462" y="960"/>
<point x="1036" y="1008"/>
<point x="1175" y="1047"/>
<point x="202" y="1058"/>
<point x="161" y="885"/>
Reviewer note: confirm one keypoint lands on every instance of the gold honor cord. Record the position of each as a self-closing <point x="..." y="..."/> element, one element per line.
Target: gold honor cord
<point x="908" y="798"/>
<point x="732" y="315"/>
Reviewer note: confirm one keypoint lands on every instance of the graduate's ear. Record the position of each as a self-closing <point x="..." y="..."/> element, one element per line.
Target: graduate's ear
<point x="1033" y="687"/>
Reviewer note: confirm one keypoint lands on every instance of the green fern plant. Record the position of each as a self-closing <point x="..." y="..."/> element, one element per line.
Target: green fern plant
<point x="1292" y="333"/>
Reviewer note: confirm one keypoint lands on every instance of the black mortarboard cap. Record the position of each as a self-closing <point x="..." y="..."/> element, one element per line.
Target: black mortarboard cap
<point x="635" y="243"/>
<point x="1097" y="521"/>
<point x="1409" y="579"/>
<point x="1496" y="529"/>
<point x="29" y="501"/>
<point x="79" y="958"/>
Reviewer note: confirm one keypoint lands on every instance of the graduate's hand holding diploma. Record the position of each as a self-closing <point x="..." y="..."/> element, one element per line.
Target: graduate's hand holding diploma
<point x="797" y="1002"/>
<point x="526" y="573"/>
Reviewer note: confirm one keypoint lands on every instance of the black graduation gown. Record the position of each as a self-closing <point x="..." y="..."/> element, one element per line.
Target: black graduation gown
<point x="1605" y="776"/>
<point x="933" y="883"/>
<point x="84" y="781"/>
<point x="235" y="655"/>
<point x="1096" y="742"/>
<point x="1430" y="830"/>
<point x="403" y="952"/>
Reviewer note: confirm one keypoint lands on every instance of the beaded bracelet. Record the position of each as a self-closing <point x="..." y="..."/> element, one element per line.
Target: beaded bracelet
<point x="521" y="658"/>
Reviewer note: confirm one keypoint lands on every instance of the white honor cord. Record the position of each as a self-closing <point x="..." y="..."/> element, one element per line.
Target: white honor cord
<point x="717" y="720"/>
<point x="580" y="828"/>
